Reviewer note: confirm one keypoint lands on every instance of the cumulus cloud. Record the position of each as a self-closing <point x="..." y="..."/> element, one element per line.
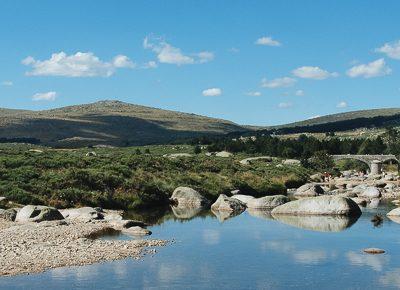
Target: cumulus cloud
<point x="391" y="49"/>
<point x="370" y="70"/>
<point x="212" y="92"/>
<point x="267" y="41"/>
<point x="342" y="104"/>
<point x="285" y="105"/>
<point x="254" y="94"/>
<point x="299" y="93"/>
<point x="313" y="72"/>
<point x="7" y="83"/>
<point x="278" y="83"/>
<point x="81" y="64"/>
<point x="166" y="53"/>
<point x="49" y="96"/>
<point x="150" y="64"/>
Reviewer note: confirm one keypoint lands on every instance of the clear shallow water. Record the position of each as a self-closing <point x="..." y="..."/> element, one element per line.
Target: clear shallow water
<point x="249" y="251"/>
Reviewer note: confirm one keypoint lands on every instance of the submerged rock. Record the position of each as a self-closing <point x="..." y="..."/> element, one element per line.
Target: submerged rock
<point x="321" y="205"/>
<point x="38" y="213"/>
<point x="188" y="197"/>
<point x="267" y="202"/>
<point x="229" y="204"/>
<point x="335" y="223"/>
<point x="374" y="251"/>
<point x="136" y="231"/>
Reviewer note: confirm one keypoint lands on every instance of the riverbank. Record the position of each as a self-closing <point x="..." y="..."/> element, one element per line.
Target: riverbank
<point x="35" y="247"/>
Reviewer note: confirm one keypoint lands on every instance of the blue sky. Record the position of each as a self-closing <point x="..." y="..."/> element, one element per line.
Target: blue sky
<point x="252" y="62"/>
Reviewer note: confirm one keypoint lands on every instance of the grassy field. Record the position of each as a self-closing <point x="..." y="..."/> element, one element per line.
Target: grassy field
<point x="130" y="178"/>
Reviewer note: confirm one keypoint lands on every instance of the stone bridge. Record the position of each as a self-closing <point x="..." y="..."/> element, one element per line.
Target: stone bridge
<point x="373" y="161"/>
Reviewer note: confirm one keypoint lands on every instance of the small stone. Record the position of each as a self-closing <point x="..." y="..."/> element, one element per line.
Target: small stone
<point x="374" y="251"/>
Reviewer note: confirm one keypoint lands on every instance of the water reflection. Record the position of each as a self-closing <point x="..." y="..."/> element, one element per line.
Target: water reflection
<point x="262" y="214"/>
<point x="375" y="262"/>
<point x="318" y="223"/>
<point x="224" y="215"/>
<point x="391" y="279"/>
<point x="186" y="212"/>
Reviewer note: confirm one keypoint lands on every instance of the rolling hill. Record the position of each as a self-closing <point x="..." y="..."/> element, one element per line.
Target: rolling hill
<point x="107" y="122"/>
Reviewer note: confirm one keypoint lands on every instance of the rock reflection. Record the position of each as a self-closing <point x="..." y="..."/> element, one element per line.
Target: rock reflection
<point x="224" y="215"/>
<point x="318" y="223"/>
<point x="262" y="214"/>
<point x="186" y="212"/>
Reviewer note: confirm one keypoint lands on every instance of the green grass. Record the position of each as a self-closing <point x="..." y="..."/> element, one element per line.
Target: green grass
<point x="121" y="178"/>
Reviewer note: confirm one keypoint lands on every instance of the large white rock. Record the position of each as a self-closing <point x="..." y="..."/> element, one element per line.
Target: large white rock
<point x="370" y="192"/>
<point x="229" y="204"/>
<point x="188" y="197"/>
<point x="309" y="189"/>
<point x="224" y="154"/>
<point x="248" y="161"/>
<point x="38" y="213"/>
<point x="243" y="198"/>
<point x="320" y="205"/>
<point x="394" y="212"/>
<point x="267" y="202"/>
<point x="291" y="162"/>
<point x="82" y="213"/>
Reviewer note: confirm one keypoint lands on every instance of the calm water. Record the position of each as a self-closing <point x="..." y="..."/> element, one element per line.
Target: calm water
<point x="249" y="251"/>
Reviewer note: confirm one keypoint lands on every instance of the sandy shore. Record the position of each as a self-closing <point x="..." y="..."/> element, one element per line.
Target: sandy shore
<point x="36" y="247"/>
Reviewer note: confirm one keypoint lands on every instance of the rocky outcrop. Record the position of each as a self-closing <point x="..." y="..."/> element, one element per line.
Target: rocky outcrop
<point x="250" y="160"/>
<point x="309" y="189"/>
<point x="228" y="204"/>
<point x="177" y="155"/>
<point x="267" y="202"/>
<point x="188" y="197"/>
<point x="38" y="213"/>
<point x="321" y="205"/>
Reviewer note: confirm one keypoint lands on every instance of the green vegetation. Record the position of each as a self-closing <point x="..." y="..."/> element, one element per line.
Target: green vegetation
<point x="123" y="178"/>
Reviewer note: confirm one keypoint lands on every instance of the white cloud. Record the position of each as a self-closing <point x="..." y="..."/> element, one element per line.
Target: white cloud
<point x="81" y="64"/>
<point x="391" y="49"/>
<point x="313" y="72"/>
<point x="342" y="104"/>
<point x="299" y="93"/>
<point x="169" y="54"/>
<point x="268" y="41"/>
<point x="277" y="83"/>
<point x="212" y="92"/>
<point x="370" y="70"/>
<point x="285" y="105"/>
<point x="7" y="83"/>
<point x="49" y="96"/>
<point x="150" y="64"/>
<point x="122" y="61"/>
<point x="234" y="50"/>
<point x="254" y="94"/>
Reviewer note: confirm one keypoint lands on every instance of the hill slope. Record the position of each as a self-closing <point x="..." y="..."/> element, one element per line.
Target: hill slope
<point x="376" y="118"/>
<point x="107" y="122"/>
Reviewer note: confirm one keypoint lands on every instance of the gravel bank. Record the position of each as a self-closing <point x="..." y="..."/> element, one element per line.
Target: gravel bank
<point x="36" y="247"/>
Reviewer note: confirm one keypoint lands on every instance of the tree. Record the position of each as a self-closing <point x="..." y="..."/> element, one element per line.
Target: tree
<point x="197" y="149"/>
<point x="322" y="161"/>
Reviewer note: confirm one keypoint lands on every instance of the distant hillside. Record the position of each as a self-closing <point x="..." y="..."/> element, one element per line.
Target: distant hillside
<point x="376" y="118"/>
<point x="107" y="122"/>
